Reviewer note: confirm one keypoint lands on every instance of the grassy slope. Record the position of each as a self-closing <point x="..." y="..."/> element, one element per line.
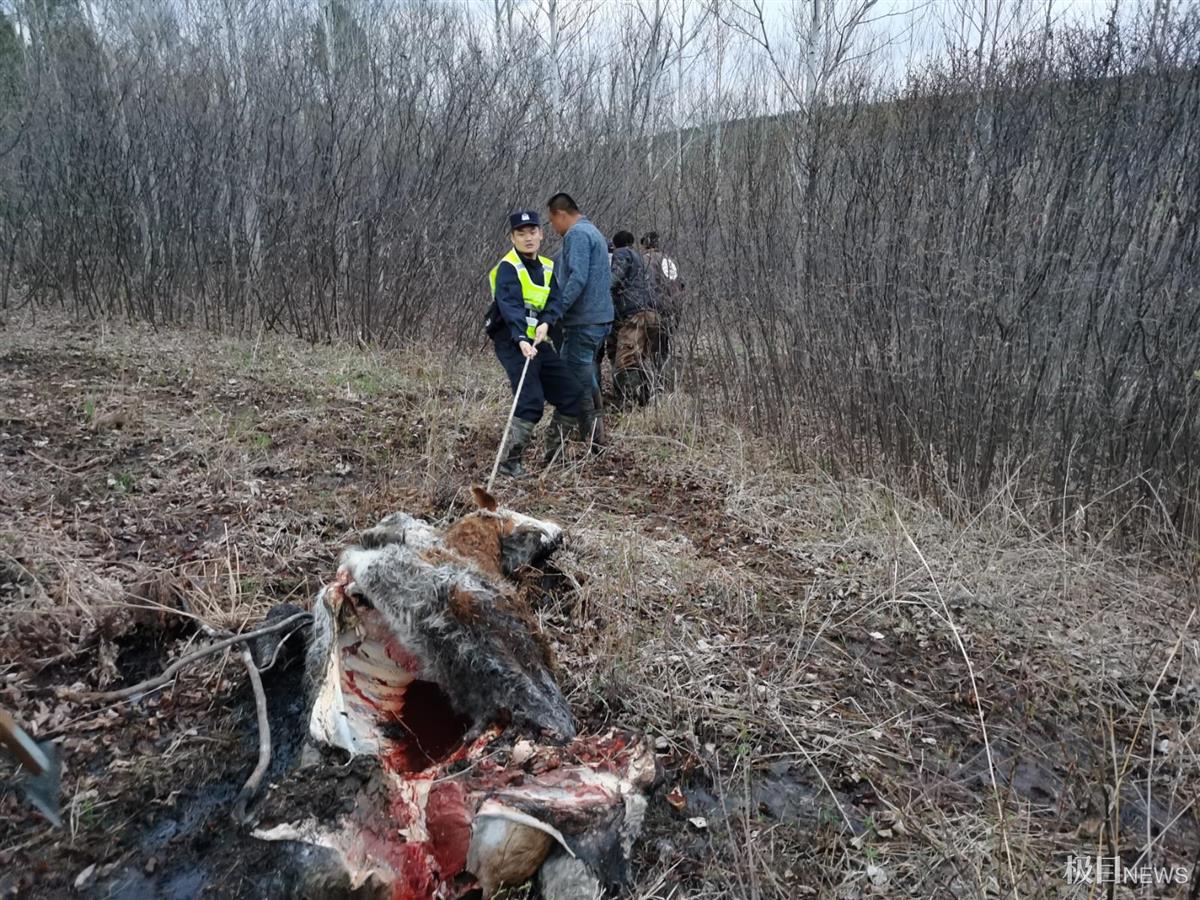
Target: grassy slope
<point x="793" y="642"/>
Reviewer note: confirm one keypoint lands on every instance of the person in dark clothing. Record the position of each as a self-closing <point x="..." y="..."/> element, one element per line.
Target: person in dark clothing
<point x="526" y="303"/>
<point x="630" y="290"/>
<point x="637" y="323"/>
<point x="662" y="275"/>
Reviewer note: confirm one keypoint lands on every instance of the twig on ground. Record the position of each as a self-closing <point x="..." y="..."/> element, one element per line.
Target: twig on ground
<point x="51" y="463"/>
<point x="28" y="574"/>
<point x="279" y="646"/>
<point x="1153" y="692"/>
<point x="40" y="665"/>
<point x="820" y="774"/>
<point x="987" y="744"/>
<point x="73" y="470"/>
<point x="250" y="788"/>
<point x="172" y="669"/>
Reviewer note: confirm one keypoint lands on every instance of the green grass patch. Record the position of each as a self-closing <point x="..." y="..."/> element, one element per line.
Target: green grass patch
<point x="122" y="482"/>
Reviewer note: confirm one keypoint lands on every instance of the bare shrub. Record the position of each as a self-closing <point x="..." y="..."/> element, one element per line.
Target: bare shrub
<point x="988" y="270"/>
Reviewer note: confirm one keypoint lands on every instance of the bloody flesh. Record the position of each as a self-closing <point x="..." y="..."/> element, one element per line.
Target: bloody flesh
<point x="414" y="828"/>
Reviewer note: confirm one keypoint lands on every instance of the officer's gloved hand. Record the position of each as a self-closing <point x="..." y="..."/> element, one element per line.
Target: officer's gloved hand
<point x="543" y="332"/>
<point x="528" y="350"/>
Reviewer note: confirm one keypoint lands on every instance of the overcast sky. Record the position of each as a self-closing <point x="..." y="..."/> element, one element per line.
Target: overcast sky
<point x="910" y="30"/>
<point x="916" y="29"/>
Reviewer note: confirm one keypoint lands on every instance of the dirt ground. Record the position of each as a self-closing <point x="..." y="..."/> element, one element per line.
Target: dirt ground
<point x="815" y="659"/>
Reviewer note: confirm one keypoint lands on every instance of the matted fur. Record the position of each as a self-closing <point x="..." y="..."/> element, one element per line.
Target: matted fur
<point x="447" y="600"/>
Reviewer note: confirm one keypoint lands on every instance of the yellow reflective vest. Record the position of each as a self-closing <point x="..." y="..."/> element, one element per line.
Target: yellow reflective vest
<point x="535" y="295"/>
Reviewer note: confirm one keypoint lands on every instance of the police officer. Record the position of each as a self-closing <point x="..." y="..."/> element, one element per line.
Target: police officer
<point x="525" y="304"/>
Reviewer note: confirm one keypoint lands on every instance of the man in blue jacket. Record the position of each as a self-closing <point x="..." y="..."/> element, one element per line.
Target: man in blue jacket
<point x="584" y="279"/>
<point x="525" y="303"/>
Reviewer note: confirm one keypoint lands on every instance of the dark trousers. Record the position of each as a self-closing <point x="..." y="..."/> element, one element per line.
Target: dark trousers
<point x="581" y="348"/>
<point x="549" y="379"/>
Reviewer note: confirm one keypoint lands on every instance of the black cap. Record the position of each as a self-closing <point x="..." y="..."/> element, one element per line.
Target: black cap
<point x="522" y="218"/>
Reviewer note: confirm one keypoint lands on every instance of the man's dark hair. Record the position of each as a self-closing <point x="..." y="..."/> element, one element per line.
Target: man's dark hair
<point x="650" y="240"/>
<point x="562" y="202"/>
<point x="623" y="239"/>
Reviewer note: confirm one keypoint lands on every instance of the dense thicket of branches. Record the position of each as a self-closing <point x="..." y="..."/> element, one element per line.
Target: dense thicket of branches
<point x="990" y="281"/>
<point x="992" y="267"/>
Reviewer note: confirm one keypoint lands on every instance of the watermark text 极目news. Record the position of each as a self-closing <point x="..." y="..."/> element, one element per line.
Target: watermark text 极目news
<point x="1110" y="870"/>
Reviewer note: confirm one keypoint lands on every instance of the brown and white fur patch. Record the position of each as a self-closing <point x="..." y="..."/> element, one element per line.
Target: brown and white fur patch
<point x="412" y="605"/>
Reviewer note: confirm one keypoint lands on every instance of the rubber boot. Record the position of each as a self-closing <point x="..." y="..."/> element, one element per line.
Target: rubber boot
<point x="600" y="434"/>
<point x="519" y="434"/>
<point x="628" y="386"/>
<point x="644" y="386"/>
<point x="620" y="390"/>
<point x="591" y="424"/>
<point x="587" y="415"/>
<point x="557" y="435"/>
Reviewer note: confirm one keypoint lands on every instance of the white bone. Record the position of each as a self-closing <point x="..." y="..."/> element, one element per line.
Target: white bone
<point x="492" y="809"/>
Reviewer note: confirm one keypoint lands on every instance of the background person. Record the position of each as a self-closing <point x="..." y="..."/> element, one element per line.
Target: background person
<point x="637" y="324"/>
<point x="584" y="278"/>
<point x="668" y="289"/>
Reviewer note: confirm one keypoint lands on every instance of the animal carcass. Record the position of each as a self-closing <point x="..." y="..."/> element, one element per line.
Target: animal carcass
<point x="424" y="655"/>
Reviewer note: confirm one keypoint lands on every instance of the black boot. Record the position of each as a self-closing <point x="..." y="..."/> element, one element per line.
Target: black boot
<point x="644" y="387"/>
<point x="519" y="434"/>
<point x="556" y="437"/>
<point x="591" y="425"/>
<point x="627" y="385"/>
<point x="599" y="432"/>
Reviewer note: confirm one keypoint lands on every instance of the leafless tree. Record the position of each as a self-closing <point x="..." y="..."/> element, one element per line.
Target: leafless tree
<point x="987" y="263"/>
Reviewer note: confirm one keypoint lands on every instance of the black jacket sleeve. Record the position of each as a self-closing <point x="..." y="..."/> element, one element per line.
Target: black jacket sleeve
<point x="620" y="277"/>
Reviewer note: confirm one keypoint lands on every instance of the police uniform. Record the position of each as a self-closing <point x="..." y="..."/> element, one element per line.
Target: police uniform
<point x="524" y="293"/>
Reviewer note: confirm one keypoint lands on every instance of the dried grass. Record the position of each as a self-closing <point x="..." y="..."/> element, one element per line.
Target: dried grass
<point x="776" y="630"/>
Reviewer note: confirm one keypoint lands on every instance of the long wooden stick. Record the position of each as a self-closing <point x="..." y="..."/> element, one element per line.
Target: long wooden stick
<point x="508" y="424"/>
<point x="170" y="671"/>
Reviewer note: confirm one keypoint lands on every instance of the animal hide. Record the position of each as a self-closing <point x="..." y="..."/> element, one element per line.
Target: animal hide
<point x="424" y="656"/>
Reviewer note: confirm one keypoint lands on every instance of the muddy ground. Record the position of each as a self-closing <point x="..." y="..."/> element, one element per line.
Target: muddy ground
<point x="813" y="657"/>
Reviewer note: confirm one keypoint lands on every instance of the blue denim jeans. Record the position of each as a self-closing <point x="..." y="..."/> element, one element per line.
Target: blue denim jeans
<point x="579" y="350"/>
<point x="580" y="347"/>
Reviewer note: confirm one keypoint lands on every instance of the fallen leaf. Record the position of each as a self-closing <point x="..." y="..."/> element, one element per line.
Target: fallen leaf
<point x="83" y="877"/>
<point x="876" y="875"/>
<point x="698" y="822"/>
<point x="676" y="799"/>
